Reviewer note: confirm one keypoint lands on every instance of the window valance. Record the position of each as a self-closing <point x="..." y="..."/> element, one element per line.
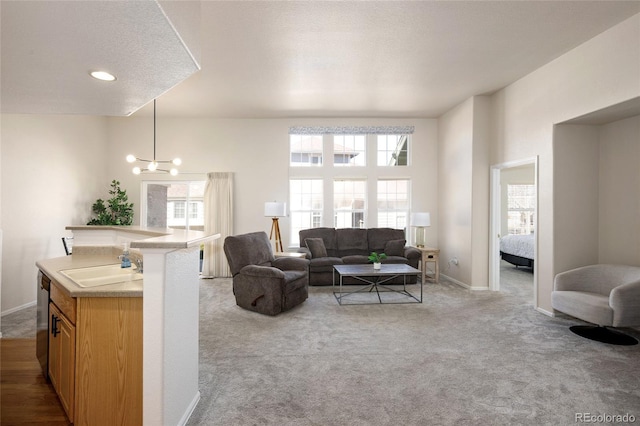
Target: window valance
<point x="351" y="130"/>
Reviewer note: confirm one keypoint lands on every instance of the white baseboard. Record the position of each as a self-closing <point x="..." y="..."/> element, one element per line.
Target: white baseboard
<point x="544" y="311"/>
<point x="192" y="406"/>
<point x="18" y="308"/>
<point x="464" y="285"/>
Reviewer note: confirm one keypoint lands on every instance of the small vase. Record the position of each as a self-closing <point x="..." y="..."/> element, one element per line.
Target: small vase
<point x="376" y="265"/>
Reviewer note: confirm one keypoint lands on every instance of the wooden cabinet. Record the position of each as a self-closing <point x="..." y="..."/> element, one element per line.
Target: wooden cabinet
<point x="62" y="356"/>
<point x="95" y="357"/>
<point x="109" y="361"/>
<point x="62" y="346"/>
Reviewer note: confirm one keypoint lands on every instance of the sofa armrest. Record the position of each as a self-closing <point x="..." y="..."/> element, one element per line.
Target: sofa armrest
<point x="625" y="301"/>
<point x="291" y="264"/>
<point x="262" y="271"/>
<point x="306" y="251"/>
<point x="412" y="253"/>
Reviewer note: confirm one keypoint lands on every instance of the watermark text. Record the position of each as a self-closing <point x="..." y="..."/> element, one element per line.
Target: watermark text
<point x="604" y="418"/>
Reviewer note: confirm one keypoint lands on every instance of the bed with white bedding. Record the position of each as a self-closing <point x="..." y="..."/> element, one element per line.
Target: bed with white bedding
<point x="518" y="249"/>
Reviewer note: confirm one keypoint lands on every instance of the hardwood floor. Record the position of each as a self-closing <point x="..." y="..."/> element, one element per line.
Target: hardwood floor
<point x="25" y="395"/>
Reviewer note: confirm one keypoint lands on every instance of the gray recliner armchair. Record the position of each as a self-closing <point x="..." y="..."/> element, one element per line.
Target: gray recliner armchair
<point x="606" y="295"/>
<point x="261" y="282"/>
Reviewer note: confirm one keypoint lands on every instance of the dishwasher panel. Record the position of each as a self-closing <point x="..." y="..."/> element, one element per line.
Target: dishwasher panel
<point x="42" y="323"/>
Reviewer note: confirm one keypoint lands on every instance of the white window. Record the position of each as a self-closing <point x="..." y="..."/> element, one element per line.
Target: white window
<point x="393" y="203"/>
<point x="349" y="150"/>
<point x="393" y="150"/>
<point x="349" y="203"/>
<point x="178" y="208"/>
<point x="173" y="204"/>
<point x="306" y="205"/>
<point x="305" y="150"/>
<point x="349" y="177"/>
<point x="521" y="203"/>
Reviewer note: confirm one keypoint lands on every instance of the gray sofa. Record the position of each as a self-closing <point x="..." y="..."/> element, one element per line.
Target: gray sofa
<point x="326" y="247"/>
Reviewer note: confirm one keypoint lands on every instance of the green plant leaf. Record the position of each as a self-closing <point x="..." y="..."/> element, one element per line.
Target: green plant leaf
<point x="116" y="211"/>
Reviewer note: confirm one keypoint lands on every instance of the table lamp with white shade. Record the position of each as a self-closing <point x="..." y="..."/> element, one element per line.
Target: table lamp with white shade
<point x="420" y="221"/>
<point x="274" y="210"/>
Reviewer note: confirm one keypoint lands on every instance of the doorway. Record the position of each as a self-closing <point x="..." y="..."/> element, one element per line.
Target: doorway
<point x="514" y="219"/>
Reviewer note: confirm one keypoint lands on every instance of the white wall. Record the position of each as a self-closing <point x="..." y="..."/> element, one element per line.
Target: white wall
<point x="257" y="152"/>
<point x="575" y="196"/>
<point x="455" y="160"/>
<point x="619" y="192"/>
<point x="597" y="193"/>
<point x="601" y="72"/>
<point x="52" y="168"/>
<point x="480" y="192"/>
<point x="463" y="173"/>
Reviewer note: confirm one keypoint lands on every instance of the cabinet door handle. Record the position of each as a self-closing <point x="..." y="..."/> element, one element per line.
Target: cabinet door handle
<point x="54" y="325"/>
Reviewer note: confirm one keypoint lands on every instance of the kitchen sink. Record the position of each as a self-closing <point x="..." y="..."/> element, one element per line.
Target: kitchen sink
<point x="95" y="276"/>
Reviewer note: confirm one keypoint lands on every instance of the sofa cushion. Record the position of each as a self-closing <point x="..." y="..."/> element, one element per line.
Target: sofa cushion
<point x="324" y="264"/>
<point x="316" y="246"/>
<point x="378" y="237"/>
<point x="395" y="247"/>
<point x="328" y="235"/>
<point x="352" y="241"/>
<point x="355" y="259"/>
<point x="590" y="307"/>
<point x="397" y="260"/>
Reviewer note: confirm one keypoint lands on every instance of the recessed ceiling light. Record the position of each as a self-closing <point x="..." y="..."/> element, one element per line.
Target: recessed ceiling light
<point x="102" y="75"/>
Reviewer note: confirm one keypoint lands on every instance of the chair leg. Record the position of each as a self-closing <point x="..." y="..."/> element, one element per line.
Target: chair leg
<point x="603" y="335"/>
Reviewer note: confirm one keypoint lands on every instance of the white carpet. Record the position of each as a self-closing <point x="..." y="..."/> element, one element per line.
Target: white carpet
<point x="461" y="357"/>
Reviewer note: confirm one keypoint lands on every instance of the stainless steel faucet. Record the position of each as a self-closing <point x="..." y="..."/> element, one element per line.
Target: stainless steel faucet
<point x="138" y="261"/>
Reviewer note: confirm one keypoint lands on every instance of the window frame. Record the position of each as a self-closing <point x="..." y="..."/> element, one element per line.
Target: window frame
<point x="144" y="184"/>
<point x="353" y="212"/>
<point x="315" y="214"/>
<point x="371" y="173"/>
<point x="405" y="210"/>
<point x="528" y="211"/>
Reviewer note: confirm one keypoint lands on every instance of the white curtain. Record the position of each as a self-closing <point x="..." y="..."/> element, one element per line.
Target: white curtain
<point x="218" y="219"/>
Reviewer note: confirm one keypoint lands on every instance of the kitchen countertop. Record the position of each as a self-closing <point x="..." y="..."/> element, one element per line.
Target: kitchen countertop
<point x="52" y="267"/>
<point x="95" y="255"/>
<point x="162" y="238"/>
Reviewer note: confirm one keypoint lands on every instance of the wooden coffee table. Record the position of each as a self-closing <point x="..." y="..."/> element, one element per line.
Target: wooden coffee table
<point x="375" y="279"/>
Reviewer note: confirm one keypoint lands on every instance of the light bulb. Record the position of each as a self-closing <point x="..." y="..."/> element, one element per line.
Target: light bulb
<point x="152" y="166"/>
<point x="103" y="75"/>
<point x="174" y="172"/>
<point x="131" y="158"/>
<point x="136" y="170"/>
<point x="177" y="161"/>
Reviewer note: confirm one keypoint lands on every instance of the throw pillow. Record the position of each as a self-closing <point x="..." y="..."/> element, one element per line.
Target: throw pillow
<point x="316" y="245"/>
<point x="395" y="248"/>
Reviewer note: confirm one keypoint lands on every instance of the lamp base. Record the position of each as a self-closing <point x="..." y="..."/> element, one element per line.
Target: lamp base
<point x="420" y="236"/>
<point x="275" y="230"/>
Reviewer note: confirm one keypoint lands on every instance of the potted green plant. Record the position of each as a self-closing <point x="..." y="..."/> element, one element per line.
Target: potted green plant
<point x="117" y="210"/>
<point x="377" y="259"/>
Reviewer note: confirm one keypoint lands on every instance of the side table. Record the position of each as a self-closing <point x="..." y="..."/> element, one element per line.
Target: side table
<point x="430" y="254"/>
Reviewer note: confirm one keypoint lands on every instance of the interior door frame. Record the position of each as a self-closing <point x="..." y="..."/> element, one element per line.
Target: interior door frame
<point x="495" y="225"/>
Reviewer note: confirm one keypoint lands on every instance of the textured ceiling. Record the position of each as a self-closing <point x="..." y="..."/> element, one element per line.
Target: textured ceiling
<point x="49" y="48"/>
<point x="354" y="59"/>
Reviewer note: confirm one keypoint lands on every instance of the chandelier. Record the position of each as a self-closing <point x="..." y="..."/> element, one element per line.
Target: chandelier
<point x="153" y="165"/>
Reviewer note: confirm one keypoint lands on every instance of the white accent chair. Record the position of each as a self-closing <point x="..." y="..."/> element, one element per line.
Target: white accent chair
<point x="605" y="295"/>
